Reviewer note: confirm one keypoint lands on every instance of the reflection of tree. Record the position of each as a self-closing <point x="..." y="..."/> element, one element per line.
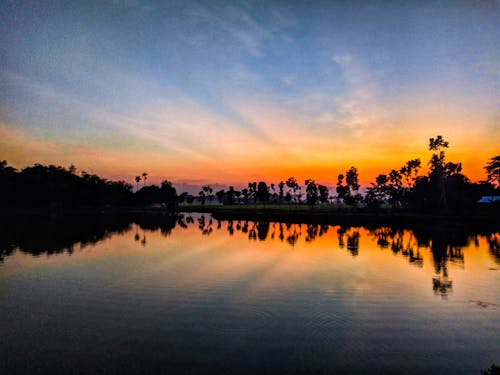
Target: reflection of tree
<point x="315" y="230"/>
<point x="292" y="238"/>
<point x="441" y="285"/>
<point x="289" y="232"/>
<point x="205" y="226"/>
<point x="383" y="236"/>
<point x="181" y="221"/>
<point x="494" y="245"/>
<point x="446" y="247"/>
<point x="353" y="242"/>
<point x="312" y="232"/>
<point x="136" y="236"/>
<point x="340" y="235"/>
<point x="38" y="235"/>
<point x="444" y="243"/>
<point x="400" y="241"/>
<point x="230" y="227"/>
<point x="165" y="223"/>
<point x="262" y="230"/>
<point x="252" y="232"/>
<point x="411" y="253"/>
<point x="352" y="239"/>
<point x="274" y="231"/>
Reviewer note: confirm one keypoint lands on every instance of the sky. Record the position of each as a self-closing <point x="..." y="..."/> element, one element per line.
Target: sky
<point x="226" y="92"/>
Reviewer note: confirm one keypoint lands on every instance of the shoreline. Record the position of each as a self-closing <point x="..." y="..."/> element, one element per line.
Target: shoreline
<point x="481" y="216"/>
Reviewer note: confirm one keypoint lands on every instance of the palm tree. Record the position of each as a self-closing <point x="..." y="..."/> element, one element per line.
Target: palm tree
<point x="437" y="166"/>
<point x="493" y="170"/>
<point x="144" y="177"/>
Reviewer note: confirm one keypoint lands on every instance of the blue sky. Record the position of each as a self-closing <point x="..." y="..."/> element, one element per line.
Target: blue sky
<point x="220" y="90"/>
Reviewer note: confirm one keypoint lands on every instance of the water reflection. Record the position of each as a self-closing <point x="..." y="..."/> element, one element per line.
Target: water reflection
<point x="193" y="294"/>
<point x="37" y="236"/>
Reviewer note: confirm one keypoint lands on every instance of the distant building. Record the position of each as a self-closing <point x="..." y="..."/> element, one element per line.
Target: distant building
<point x="489" y="199"/>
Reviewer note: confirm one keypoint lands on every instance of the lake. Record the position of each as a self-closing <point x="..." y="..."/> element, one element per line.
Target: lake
<point x="194" y="295"/>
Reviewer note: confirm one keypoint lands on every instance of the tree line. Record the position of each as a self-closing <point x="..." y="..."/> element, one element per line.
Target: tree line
<point x="40" y="186"/>
<point x="443" y="187"/>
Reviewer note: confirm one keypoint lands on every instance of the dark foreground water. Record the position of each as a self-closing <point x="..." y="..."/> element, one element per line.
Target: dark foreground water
<point x="198" y="296"/>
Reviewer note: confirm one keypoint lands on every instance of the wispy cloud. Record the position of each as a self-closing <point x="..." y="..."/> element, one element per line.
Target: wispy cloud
<point x="359" y="107"/>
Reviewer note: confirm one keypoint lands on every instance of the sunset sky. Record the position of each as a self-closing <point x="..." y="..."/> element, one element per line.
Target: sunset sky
<point x="232" y="91"/>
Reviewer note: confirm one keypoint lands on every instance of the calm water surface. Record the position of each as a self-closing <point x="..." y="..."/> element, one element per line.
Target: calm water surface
<point x="198" y="296"/>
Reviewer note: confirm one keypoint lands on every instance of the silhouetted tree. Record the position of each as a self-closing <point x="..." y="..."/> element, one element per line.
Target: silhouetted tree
<point x="229" y="196"/>
<point x="378" y="192"/>
<point x="220" y="196"/>
<point x="208" y="192"/>
<point x="144" y="177"/>
<point x="262" y="228"/>
<point x="345" y="191"/>
<point x="493" y="171"/>
<point x="409" y="171"/>
<point x="352" y="179"/>
<point x="396" y="193"/>
<point x="341" y="189"/>
<point x="245" y="194"/>
<point x="437" y="167"/>
<point x="262" y="192"/>
<point x="182" y="197"/>
<point x="273" y="189"/>
<point x="323" y="194"/>
<point x="281" y="185"/>
<point x="292" y="185"/>
<point x="252" y="191"/>
<point x="201" y="193"/>
<point x="168" y="194"/>
<point x="311" y="192"/>
<point x="137" y="180"/>
<point x="237" y="194"/>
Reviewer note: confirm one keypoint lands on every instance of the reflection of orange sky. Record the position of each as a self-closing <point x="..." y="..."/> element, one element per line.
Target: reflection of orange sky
<point x="188" y="259"/>
<point x="239" y="161"/>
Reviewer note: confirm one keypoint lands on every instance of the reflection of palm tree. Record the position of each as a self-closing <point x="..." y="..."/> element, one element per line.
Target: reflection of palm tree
<point x="312" y="232"/>
<point x="230" y="227"/>
<point x="252" y="233"/>
<point x="292" y="233"/>
<point x="262" y="230"/>
<point x="340" y="235"/>
<point x="274" y="231"/>
<point x="353" y="242"/>
<point x="494" y="245"/>
<point x="441" y="285"/>
<point x="136" y="237"/>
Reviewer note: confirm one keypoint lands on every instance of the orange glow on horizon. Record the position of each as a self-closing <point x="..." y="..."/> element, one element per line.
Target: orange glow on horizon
<point x="322" y="163"/>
